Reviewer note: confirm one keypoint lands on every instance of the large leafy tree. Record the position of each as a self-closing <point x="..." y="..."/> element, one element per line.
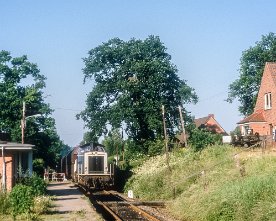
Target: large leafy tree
<point x="20" y="80"/>
<point x="246" y="87"/>
<point x="133" y="79"/>
<point x="113" y="142"/>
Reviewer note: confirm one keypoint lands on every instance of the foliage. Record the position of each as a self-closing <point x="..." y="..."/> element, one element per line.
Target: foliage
<point x="152" y="181"/>
<point x="133" y="79"/>
<point x="37" y="184"/>
<point x="38" y="166"/>
<point x="246" y="88"/>
<point x="237" y="131"/>
<point x="113" y="142"/>
<point x="20" y="80"/>
<point x="27" y="197"/>
<point x="201" y="138"/>
<point x="21" y="198"/>
<point x="209" y="184"/>
<point x="4" y="203"/>
<point x="88" y="137"/>
<point x="155" y="147"/>
<point x="133" y="150"/>
<point x="41" y="204"/>
<point x="249" y="195"/>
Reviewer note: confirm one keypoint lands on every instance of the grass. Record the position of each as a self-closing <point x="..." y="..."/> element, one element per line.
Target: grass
<point x="214" y="184"/>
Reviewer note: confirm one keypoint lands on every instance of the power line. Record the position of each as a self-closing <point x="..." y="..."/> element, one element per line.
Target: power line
<point x="68" y="109"/>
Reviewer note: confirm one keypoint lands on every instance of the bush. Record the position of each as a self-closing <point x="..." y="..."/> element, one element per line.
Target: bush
<point x="37" y="184"/>
<point x="41" y="204"/>
<point x="155" y="147"/>
<point x="200" y="138"/>
<point x="4" y="203"/>
<point x="21" y="198"/>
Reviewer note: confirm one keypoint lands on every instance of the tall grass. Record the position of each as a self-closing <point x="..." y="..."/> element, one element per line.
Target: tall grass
<point x="211" y="184"/>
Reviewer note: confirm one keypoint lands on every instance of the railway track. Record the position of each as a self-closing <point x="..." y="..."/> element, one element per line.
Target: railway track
<point x="114" y="207"/>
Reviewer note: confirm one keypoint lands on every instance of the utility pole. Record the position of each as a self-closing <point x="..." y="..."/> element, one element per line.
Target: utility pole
<point x="182" y="124"/>
<point x="23" y="122"/>
<point x="167" y="150"/>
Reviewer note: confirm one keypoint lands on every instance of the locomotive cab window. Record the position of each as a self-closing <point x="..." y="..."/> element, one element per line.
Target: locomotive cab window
<point x="95" y="164"/>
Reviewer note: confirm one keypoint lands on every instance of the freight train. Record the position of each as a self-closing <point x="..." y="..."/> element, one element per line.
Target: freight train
<point x="88" y="166"/>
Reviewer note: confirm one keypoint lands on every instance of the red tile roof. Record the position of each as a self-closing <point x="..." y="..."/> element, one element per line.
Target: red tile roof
<point x="213" y="127"/>
<point x="258" y="116"/>
<point x="201" y="121"/>
<point x="272" y="69"/>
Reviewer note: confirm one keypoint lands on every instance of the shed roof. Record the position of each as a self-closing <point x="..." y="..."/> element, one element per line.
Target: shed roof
<point x="16" y="146"/>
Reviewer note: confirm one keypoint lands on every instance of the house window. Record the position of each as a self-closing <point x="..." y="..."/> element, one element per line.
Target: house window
<point x="268" y="103"/>
<point x="244" y="130"/>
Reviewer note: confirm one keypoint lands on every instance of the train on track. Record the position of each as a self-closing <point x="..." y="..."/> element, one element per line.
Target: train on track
<point x="88" y="166"/>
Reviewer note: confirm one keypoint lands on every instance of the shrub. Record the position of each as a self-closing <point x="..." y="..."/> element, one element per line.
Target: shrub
<point x="155" y="147"/>
<point x="133" y="150"/>
<point x="21" y="199"/>
<point x="37" y="184"/>
<point x="200" y="138"/>
<point x="41" y="204"/>
<point x="4" y="203"/>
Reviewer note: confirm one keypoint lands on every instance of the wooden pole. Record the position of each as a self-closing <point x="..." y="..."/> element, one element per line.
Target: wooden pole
<point x="182" y="124"/>
<point x="165" y="138"/>
<point x="167" y="150"/>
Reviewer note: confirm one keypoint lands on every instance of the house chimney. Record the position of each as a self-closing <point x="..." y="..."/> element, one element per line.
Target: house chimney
<point x="211" y="115"/>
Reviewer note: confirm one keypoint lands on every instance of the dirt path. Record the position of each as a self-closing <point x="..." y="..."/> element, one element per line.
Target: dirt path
<point x="69" y="204"/>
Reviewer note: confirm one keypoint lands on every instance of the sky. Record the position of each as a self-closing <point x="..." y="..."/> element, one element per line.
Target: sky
<point x="205" y="39"/>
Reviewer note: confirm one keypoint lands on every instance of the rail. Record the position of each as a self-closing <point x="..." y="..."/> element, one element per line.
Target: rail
<point x="120" y="209"/>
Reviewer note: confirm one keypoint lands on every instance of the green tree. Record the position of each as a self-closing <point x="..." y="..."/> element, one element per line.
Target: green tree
<point x="113" y="142"/>
<point x="246" y="88"/>
<point x="88" y="137"/>
<point x="20" y="80"/>
<point x="133" y="79"/>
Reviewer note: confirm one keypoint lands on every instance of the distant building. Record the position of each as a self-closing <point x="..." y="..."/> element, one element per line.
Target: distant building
<point x="209" y="123"/>
<point x="12" y="157"/>
<point x="68" y="161"/>
<point x="263" y="119"/>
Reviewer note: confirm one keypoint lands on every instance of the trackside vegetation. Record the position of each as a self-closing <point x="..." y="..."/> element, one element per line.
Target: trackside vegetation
<point x="217" y="183"/>
<point x="26" y="201"/>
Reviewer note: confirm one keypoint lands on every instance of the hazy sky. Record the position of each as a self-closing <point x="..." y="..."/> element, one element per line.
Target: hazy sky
<point x="205" y="39"/>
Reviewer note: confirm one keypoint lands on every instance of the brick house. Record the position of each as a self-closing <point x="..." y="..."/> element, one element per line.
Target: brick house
<point x="209" y="123"/>
<point x="12" y="157"/>
<point x="263" y="119"/>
